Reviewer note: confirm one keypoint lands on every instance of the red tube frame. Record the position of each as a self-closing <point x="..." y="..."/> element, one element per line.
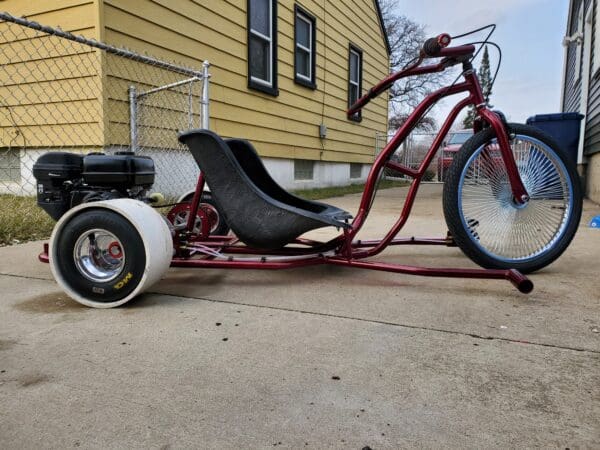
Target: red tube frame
<point x="343" y="250"/>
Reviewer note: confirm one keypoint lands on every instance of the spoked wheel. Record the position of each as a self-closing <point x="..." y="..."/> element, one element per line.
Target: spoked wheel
<point x="489" y="225"/>
<point x="179" y="214"/>
<point x="105" y="253"/>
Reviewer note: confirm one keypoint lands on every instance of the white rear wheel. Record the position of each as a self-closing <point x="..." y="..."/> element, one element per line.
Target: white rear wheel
<point x="105" y="253"/>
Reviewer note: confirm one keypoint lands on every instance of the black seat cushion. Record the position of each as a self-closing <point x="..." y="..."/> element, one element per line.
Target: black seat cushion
<point x="248" y="158"/>
<point x="259" y="211"/>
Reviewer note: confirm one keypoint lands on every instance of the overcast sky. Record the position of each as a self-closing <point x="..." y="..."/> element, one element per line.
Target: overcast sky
<point x="530" y="33"/>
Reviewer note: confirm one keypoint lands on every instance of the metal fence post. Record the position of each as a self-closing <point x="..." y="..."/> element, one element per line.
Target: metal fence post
<point x="133" y="134"/>
<point x="205" y="96"/>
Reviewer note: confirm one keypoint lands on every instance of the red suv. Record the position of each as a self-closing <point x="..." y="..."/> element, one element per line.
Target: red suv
<point x="450" y="148"/>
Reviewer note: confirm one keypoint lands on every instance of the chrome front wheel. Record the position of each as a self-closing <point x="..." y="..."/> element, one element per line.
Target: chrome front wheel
<point x="494" y="229"/>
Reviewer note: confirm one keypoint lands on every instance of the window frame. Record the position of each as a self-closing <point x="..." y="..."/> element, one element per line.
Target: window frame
<point x="298" y="171"/>
<point x="355" y="166"/>
<point x="254" y="82"/>
<point x="10" y="166"/>
<point x="303" y="14"/>
<point x="352" y="48"/>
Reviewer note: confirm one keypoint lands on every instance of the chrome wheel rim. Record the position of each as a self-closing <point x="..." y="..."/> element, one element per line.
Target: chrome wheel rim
<point x="99" y="255"/>
<point x="501" y="227"/>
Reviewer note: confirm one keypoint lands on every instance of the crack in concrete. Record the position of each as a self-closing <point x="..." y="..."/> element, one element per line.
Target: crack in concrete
<point x="395" y="324"/>
<point x="360" y="319"/>
<point x="27" y="277"/>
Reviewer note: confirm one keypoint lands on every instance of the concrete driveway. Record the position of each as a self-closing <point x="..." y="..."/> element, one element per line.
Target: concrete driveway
<point x="321" y="357"/>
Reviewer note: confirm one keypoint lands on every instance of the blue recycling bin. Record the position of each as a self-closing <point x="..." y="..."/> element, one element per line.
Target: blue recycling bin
<point x="564" y="127"/>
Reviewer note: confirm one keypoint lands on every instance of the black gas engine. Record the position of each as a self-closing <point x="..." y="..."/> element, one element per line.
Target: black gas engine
<point x="65" y="180"/>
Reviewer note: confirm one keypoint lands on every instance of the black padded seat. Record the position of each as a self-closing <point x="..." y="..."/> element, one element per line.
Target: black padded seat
<point x="259" y="211"/>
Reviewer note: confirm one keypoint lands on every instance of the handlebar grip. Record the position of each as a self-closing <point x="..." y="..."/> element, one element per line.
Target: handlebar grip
<point x="433" y="46"/>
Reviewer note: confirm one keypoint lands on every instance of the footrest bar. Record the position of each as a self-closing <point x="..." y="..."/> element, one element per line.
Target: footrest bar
<point x="520" y="281"/>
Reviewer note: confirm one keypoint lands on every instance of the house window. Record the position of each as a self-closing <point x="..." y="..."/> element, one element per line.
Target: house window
<point x="304" y="48"/>
<point x="10" y="166"/>
<point x="354" y="78"/>
<point x="303" y="169"/>
<point x="262" y="45"/>
<point x="355" y="170"/>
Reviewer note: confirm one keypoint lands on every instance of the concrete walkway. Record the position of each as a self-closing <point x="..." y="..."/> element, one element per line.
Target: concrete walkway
<point x="321" y="357"/>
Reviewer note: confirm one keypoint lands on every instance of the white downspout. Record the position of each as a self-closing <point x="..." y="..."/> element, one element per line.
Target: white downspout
<point x="566" y="54"/>
<point x="585" y="80"/>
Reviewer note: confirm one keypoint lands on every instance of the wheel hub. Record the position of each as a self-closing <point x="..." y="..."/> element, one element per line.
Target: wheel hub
<point x="99" y="256"/>
<point x="179" y="214"/>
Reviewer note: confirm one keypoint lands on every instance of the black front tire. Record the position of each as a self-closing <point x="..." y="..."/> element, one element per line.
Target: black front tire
<point x="467" y="229"/>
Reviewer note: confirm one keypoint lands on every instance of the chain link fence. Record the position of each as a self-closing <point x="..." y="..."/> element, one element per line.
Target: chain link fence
<point x="412" y="152"/>
<point x="61" y="92"/>
<point x="157" y="115"/>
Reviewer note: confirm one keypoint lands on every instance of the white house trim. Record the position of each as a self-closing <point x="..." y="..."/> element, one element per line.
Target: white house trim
<point x="585" y="78"/>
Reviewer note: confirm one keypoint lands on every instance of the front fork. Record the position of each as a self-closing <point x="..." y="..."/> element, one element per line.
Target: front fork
<point x="520" y="194"/>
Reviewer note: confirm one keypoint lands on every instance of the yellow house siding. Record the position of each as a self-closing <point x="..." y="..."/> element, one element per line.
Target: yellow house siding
<point x="52" y="87"/>
<point x="283" y="126"/>
<point x="131" y="23"/>
<point x="189" y="31"/>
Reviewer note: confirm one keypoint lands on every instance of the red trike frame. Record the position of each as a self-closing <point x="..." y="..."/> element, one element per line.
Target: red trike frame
<point x="201" y="250"/>
<point x="344" y="250"/>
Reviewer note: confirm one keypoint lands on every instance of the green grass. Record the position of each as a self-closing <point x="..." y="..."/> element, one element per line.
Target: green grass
<point x="338" y="191"/>
<point x="22" y="220"/>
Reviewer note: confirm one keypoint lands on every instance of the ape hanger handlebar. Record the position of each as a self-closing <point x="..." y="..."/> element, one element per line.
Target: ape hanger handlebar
<point x="432" y="48"/>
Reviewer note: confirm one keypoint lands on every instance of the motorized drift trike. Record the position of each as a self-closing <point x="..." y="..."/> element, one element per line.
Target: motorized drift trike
<point x="512" y="202"/>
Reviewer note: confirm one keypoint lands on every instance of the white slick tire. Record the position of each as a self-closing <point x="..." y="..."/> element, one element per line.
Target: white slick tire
<point x="103" y="254"/>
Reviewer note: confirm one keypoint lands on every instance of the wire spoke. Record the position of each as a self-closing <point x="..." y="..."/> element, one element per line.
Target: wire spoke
<point x="499" y="226"/>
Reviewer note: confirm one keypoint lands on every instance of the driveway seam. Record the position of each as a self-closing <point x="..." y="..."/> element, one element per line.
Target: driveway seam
<point x="338" y="316"/>
<point x="383" y="322"/>
<point x="27" y="277"/>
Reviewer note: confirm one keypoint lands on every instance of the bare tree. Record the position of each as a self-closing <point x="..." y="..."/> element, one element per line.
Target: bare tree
<point x="485" y="79"/>
<point x="425" y="124"/>
<point x="406" y="38"/>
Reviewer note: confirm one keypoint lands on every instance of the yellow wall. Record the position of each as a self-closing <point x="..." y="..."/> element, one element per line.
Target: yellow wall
<point x="85" y="102"/>
<point x="284" y="126"/>
<point x="50" y="88"/>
